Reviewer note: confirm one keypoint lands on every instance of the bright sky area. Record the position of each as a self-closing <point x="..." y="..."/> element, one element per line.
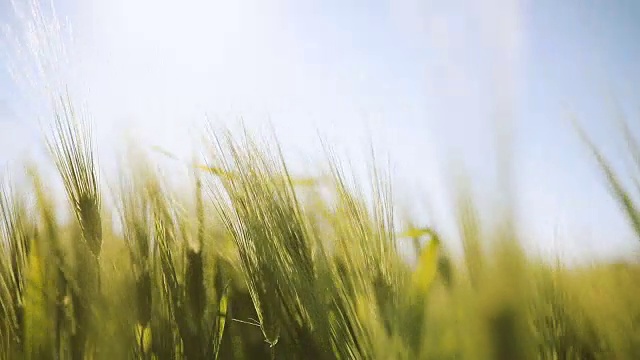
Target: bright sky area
<point x="428" y="81"/>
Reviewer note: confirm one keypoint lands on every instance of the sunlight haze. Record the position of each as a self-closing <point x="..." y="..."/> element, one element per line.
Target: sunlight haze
<point x="432" y="84"/>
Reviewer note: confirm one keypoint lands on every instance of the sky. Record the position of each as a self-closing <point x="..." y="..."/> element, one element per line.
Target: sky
<point x="435" y="86"/>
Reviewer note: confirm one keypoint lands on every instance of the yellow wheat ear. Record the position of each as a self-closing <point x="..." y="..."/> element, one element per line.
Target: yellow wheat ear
<point x="215" y="170"/>
<point x="414" y="232"/>
<point x="427" y="267"/>
<point x="218" y="171"/>
<point x="144" y="338"/>
<point x="302" y="181"/>
<point x="164" y="152"/>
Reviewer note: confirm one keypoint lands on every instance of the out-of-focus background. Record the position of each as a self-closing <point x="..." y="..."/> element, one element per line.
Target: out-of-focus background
<point x="433" y="85"/>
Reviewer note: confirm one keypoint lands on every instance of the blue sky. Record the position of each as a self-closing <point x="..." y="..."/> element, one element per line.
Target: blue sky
<point x="429" y="80"/>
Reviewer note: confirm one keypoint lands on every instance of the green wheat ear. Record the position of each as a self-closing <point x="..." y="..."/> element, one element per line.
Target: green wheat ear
<point x="619" y="191"/>
<point x="223" y="308"/>
<point x="72" y="152"/>
<point x="15" y="244"/>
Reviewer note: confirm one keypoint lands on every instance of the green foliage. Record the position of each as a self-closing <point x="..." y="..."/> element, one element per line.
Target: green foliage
<point x="255" y="263"/>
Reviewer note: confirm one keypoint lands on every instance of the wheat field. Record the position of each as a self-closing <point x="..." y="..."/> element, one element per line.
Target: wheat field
<point x="252" y="263"/>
